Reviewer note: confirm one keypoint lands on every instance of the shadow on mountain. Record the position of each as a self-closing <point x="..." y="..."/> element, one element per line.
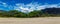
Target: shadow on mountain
<point x="51" y="10"/>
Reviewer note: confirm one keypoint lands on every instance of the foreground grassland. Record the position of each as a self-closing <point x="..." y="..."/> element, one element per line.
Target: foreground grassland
<point x="40" y="20"/>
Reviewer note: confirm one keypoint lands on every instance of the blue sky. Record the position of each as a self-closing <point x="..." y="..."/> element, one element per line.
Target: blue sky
<point x="28" y="5"/>
<point x="29" y="1"/>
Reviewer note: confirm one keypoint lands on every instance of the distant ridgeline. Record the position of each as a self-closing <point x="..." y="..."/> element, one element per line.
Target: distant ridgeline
<point x="2" y="11"/>
<point x="47" y="12"/>
<point x="51" y="10"/>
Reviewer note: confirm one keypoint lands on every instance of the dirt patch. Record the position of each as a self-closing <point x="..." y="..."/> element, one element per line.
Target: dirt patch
<point x="45" y="20"/>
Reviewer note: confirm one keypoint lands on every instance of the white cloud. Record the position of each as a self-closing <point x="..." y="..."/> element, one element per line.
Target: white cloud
<point x="29" y="7"/>
<point x="34" y="6"/>
<point x="3" y="4"/>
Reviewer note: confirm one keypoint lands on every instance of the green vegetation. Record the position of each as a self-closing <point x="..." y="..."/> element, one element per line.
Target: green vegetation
<point x="15" y="13"/>
<point x="39" y="13"/>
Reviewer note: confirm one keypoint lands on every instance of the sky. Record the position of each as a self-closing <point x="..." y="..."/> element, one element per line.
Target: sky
<point x="27" y="5"/>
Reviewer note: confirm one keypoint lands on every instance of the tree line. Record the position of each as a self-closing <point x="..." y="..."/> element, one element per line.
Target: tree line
<point x="48" y="12"/>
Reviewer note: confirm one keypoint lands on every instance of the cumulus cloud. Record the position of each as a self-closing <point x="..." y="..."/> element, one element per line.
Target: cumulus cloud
<point x="33" y="6"/>
<point x="29" y="7"/>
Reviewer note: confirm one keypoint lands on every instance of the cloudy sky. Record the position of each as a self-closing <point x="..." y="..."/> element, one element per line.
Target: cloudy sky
<point x="28" y="5"/>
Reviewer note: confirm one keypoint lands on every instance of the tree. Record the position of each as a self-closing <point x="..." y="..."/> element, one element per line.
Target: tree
<point x="35" y="13"/>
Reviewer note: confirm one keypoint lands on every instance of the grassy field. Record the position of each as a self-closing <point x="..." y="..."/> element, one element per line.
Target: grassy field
<point x="42" y="20"/>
